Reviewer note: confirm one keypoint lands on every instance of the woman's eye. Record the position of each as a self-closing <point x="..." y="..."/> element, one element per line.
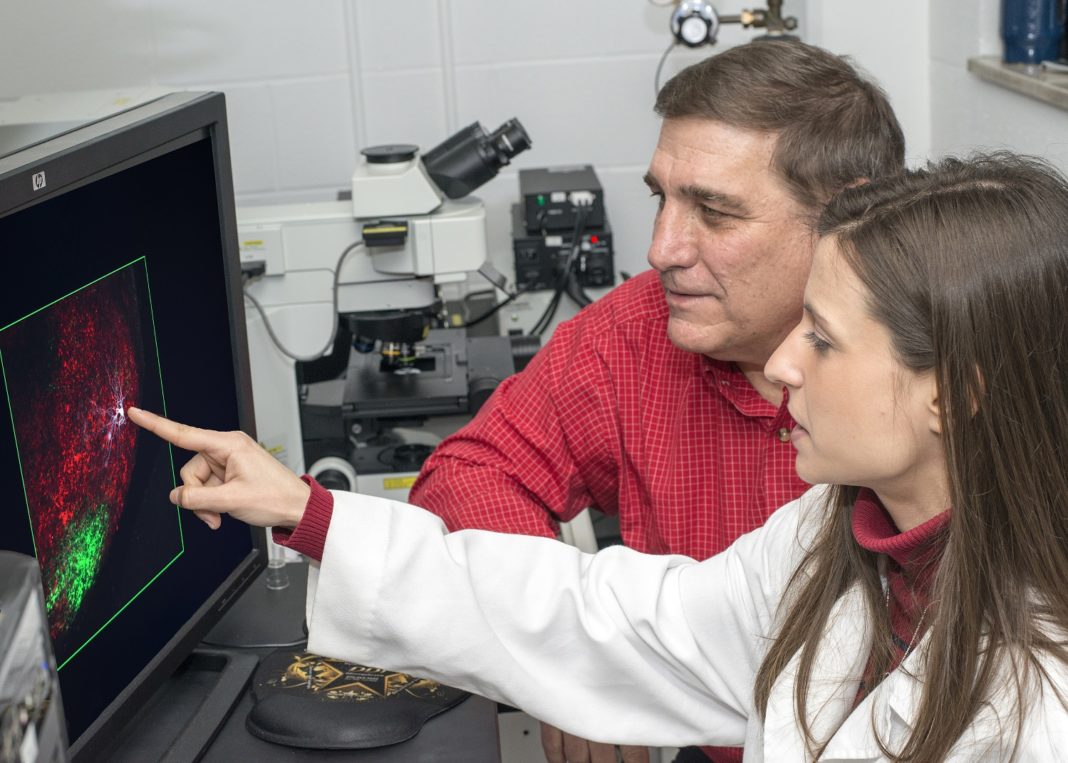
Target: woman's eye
<point x="819" y="344"/>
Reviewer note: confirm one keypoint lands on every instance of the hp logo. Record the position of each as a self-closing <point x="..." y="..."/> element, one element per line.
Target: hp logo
<point x="38" y="181"/>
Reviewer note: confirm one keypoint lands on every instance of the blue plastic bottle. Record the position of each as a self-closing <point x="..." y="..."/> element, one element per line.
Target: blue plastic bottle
<point x="1032" y="30"/>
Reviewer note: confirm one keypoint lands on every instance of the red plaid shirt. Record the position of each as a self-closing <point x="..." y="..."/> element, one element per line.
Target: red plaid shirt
<point x="611" y="414"/>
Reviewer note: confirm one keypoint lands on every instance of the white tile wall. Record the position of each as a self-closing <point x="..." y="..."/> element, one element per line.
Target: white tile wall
<point x="308" y="84"/>
<point x="405" y="106"/>
<point x="598" y="112"/>
<point x="53" y="46"/>
<point x="241" y="40"/>
<point x="891" y="42"/>
<point x="250" y="115"/>
<point x="553" y="29"/>
<point x="313" y="123"/>
<point x="962" y="43"/>
<point x="392" y="36"/>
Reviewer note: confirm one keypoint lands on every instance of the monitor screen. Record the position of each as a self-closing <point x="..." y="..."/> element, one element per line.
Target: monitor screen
<point x="120" y="286"/>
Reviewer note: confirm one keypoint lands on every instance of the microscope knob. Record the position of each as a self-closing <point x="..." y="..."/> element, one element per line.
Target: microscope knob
<point x="410" y="457"/>
<point x="332" y="479"/>
<point x="479" y="391"/>
<point x="334" y="473"/>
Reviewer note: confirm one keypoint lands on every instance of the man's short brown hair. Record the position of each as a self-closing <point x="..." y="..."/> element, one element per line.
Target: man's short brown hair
<point x="834" y="126"/>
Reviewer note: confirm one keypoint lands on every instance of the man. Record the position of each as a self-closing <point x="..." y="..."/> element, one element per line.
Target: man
<point x="651" y="404"/>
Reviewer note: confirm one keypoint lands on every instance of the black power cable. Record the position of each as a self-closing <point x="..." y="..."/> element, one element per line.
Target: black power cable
<point x="566" y="277"/>
<point x="566" y="283"/>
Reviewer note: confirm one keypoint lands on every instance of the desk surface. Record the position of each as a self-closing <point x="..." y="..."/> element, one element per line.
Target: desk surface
<point x="466" y="733"/>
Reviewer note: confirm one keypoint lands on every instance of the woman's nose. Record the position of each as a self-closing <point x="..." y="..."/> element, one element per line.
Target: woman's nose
<point x="783" y="367"/>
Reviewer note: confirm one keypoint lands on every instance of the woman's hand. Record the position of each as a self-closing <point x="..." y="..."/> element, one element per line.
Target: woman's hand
<point x="230" y="474"/>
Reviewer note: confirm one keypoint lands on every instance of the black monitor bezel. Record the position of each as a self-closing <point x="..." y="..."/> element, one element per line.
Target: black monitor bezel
<point x="94" y="151"/>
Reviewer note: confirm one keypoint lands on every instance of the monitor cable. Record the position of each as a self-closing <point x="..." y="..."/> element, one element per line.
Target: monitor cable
<point x="333" y="333"/>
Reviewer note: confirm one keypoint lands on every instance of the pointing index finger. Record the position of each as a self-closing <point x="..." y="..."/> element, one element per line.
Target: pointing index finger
<point x="182" y="435"/>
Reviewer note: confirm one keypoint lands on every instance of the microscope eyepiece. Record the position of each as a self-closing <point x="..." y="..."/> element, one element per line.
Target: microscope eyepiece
<point x="510" y="139"/>
<point x="463" y="162"/>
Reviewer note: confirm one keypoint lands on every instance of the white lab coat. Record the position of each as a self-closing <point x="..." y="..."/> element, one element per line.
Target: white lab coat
<point x="623" y="647"/>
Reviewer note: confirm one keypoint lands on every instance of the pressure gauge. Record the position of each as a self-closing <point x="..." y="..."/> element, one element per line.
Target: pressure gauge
<point x="695" y="23"/>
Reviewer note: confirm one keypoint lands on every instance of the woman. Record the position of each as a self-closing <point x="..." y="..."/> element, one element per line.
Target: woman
<point x="914" y="610"/>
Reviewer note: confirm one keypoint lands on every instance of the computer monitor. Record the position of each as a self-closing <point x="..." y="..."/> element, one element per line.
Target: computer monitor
<point x="120" y="285"/>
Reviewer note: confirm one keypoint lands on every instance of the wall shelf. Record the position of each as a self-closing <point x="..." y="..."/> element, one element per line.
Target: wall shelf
<point x="1050" y="87"/>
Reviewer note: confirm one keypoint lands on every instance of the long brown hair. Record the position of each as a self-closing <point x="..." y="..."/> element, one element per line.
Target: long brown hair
<point x="834" y="125"/>
<point x="966" y="263"/>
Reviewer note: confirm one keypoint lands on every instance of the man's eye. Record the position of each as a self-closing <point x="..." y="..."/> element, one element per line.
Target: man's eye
<point x="819" y="344"/>
<point x="659" y="196"/>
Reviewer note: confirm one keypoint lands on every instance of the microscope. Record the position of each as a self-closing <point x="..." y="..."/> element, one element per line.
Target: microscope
<point x="350" y="346"/>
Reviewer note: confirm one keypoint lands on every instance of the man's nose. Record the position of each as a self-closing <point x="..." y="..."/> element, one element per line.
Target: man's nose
<point x="674" y="244"/>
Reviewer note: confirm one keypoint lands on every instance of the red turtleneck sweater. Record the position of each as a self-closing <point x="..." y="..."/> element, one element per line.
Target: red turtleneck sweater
<point x="911" y="561"/>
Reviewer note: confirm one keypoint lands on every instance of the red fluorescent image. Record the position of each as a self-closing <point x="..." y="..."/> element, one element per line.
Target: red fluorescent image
<point x="95" y="485"/>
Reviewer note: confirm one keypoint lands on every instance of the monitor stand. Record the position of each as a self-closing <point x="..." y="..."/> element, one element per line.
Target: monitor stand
<point x="182" y="718"/>
<point x="232" y="672"/>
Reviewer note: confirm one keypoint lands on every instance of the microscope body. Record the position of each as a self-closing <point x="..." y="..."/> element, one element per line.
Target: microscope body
<point x="414" y="239"/>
